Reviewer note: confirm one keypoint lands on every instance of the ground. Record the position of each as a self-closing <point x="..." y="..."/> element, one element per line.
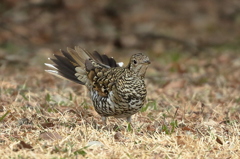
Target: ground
<point x="193" y="84"/>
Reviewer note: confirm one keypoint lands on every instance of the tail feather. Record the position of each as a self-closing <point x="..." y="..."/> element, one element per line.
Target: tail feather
<point x="63" y="64"/>
<point x="78" y="56"/>
<point x="72" y="65"/>
<point x="104" y="60"/>
<point x="64" y="69"/>
<point x="69" y="57"/>
<point x="84" y="54"/>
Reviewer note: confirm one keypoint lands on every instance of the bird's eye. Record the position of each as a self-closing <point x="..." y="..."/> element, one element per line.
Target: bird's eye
<point x="134" y="61"/>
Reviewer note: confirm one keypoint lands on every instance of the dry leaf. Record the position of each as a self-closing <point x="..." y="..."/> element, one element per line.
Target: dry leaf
<point x="118" y="137"/>
<point x="151" y="128"/>
<point x="50" y="136"/>
<point x="219" y="141"/>
<point x="95" y="144"/>
<point x="47" y="125"/>
<point x="185" y="128"/>
<point x="23" y="145"/>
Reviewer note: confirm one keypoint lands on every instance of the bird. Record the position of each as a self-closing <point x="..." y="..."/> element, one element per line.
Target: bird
<point x="114" y="90"/>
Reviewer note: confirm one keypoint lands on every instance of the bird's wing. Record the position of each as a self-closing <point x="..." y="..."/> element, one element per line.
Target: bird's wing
<point x="104" y="79"/>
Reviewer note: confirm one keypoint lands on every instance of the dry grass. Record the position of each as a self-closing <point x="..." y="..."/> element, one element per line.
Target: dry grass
<point x="192" y="112"/>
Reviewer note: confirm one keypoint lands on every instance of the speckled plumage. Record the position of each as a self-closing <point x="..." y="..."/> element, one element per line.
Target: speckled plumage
<point x="114" y="90"/>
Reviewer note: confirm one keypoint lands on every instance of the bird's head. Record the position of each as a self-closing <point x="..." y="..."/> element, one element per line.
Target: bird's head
<point x="139" y="63"/>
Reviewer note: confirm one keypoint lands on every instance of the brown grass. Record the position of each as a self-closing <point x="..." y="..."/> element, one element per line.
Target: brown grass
<point x="193" y="111"/>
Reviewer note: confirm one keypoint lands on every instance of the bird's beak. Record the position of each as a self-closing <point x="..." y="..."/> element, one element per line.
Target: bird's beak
<point x="146" y="62"/>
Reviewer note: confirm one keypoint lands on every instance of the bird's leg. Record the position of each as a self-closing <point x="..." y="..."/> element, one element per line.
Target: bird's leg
<point x="129" y="119"/>
<point x="104" y="119"/>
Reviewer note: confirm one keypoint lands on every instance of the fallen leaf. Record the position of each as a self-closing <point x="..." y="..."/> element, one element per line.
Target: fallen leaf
<point x="219" y="141"/>
<point x="23" y="145"/>
<point x="95" y="144"/>
<point x="50" y="136"/>
<point x="118" y="137"/>
<point x="151" y="128"/>
<point x="47" y="125"/>
<point x="185" y="128"/>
